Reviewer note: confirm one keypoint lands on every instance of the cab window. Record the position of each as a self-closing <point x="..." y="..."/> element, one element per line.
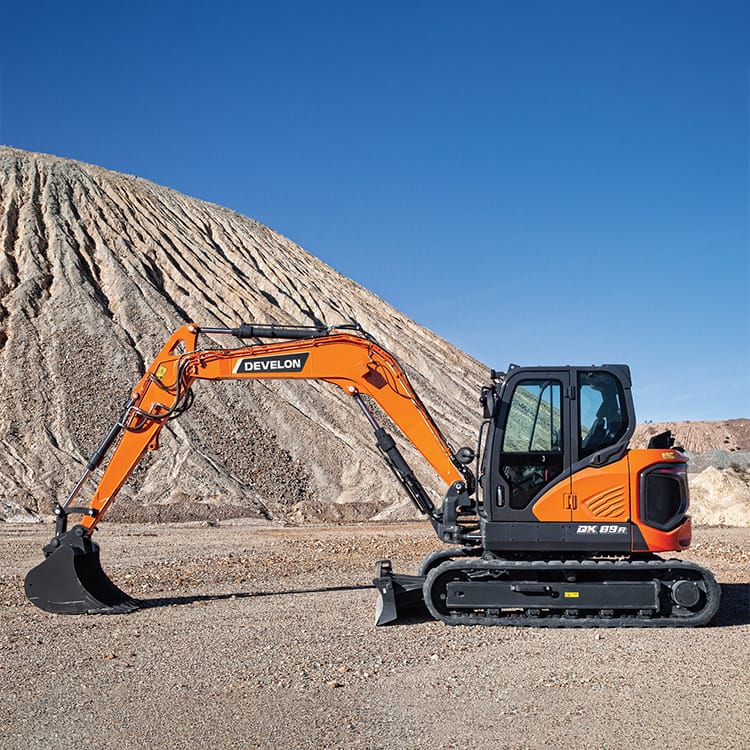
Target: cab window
<point x="532" y="452"/>
<point x="602" y="417"/>
<point x="534" y="421"/>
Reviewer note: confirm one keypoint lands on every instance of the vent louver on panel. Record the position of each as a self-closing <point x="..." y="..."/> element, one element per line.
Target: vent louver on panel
<point x="609" y="504"/>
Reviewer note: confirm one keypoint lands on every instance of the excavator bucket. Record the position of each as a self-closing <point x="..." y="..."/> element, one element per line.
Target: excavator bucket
<point x="71" y="580"/>
<point x="399" y="595"/>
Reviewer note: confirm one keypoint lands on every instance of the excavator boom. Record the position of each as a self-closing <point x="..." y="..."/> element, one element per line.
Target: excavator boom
<point x="354" y="363"/>
<point x="71" y="579"/>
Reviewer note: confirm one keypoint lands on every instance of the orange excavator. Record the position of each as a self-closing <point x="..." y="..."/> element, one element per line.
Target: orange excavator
<point x="558" y="524"/>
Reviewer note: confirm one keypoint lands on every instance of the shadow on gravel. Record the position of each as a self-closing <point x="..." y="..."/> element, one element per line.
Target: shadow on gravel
<point x="173" y="601"/>
<point x="734" y="608"/>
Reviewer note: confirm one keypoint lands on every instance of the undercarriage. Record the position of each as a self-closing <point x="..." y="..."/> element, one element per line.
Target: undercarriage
<point x="643" y="592"/>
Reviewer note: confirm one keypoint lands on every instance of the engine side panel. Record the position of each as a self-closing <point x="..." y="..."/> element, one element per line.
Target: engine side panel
<point x="651" y="471"/>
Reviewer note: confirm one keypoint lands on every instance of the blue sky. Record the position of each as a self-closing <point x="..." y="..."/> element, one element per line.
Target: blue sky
<point x="539" y="182"/>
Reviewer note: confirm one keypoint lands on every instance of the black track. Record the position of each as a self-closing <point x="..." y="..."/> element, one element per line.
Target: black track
<point x="572" y="593"/>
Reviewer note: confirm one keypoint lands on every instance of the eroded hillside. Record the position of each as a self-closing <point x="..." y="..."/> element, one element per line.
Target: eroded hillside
<point x="98" y="268"/>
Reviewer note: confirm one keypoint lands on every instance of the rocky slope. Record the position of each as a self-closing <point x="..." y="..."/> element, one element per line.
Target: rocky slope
<point x="98" y="268"/>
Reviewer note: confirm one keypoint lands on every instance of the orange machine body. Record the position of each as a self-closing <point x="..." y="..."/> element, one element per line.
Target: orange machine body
<point x="611" y="494"/>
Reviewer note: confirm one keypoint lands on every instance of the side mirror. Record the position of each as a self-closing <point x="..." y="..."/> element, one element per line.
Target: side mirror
<point x="489" y="402"/>
<point x="465" y="456"/>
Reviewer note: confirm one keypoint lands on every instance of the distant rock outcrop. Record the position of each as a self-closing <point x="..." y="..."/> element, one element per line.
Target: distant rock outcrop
<point x="98" y="268"/>
<point x="730" y="435"/>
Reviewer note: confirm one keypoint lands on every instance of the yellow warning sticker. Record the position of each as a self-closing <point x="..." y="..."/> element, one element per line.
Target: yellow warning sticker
<point x="572" y="594"/>
<point x="161" y="372"/>
<point x="668" y="454"/>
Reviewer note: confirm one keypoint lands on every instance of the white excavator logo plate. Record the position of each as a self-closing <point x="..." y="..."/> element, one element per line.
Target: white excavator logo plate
<point x="278" y="363"/>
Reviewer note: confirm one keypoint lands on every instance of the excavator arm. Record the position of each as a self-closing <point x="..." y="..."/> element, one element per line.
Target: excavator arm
<point x="346" y="357"/>
<point x="354" y="363"/>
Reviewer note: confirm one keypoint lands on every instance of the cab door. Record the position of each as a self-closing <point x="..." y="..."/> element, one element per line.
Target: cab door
<point x="600" y="474"/>
<point x="531" y="445"/>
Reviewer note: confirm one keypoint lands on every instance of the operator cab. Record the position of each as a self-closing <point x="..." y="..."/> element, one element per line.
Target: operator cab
<point x="544" y="424"/>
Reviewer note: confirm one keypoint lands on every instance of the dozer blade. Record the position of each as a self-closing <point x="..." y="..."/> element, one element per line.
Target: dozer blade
<point x="71" y="580"/>
<point x="398" y="595"/>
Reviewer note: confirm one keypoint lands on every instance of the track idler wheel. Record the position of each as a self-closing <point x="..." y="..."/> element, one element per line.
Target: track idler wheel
<point x="71" y="580"/>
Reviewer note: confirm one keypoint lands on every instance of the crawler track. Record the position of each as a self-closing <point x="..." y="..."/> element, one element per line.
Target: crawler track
<point x="572" y="593"/>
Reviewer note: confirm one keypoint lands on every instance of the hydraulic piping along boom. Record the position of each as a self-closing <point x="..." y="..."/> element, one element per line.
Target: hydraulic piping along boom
<point x="345" y="357"/>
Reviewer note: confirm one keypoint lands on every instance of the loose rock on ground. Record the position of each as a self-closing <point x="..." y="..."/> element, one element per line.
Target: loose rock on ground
<point x="262" y="637"/>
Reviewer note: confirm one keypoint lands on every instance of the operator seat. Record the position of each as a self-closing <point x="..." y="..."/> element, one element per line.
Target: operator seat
<point x="605" y="429"/>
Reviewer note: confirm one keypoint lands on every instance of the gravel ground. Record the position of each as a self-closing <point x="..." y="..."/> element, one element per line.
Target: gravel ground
<point x="263" y="637"/>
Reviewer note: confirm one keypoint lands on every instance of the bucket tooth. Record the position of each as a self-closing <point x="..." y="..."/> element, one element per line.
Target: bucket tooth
<point x="71" y="579"/>
<point x="398" y="595"/>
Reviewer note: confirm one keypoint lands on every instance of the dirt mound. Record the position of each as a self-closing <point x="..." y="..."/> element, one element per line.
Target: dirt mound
<point x="98" y="268"/>
<point x="720" y="497"/>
